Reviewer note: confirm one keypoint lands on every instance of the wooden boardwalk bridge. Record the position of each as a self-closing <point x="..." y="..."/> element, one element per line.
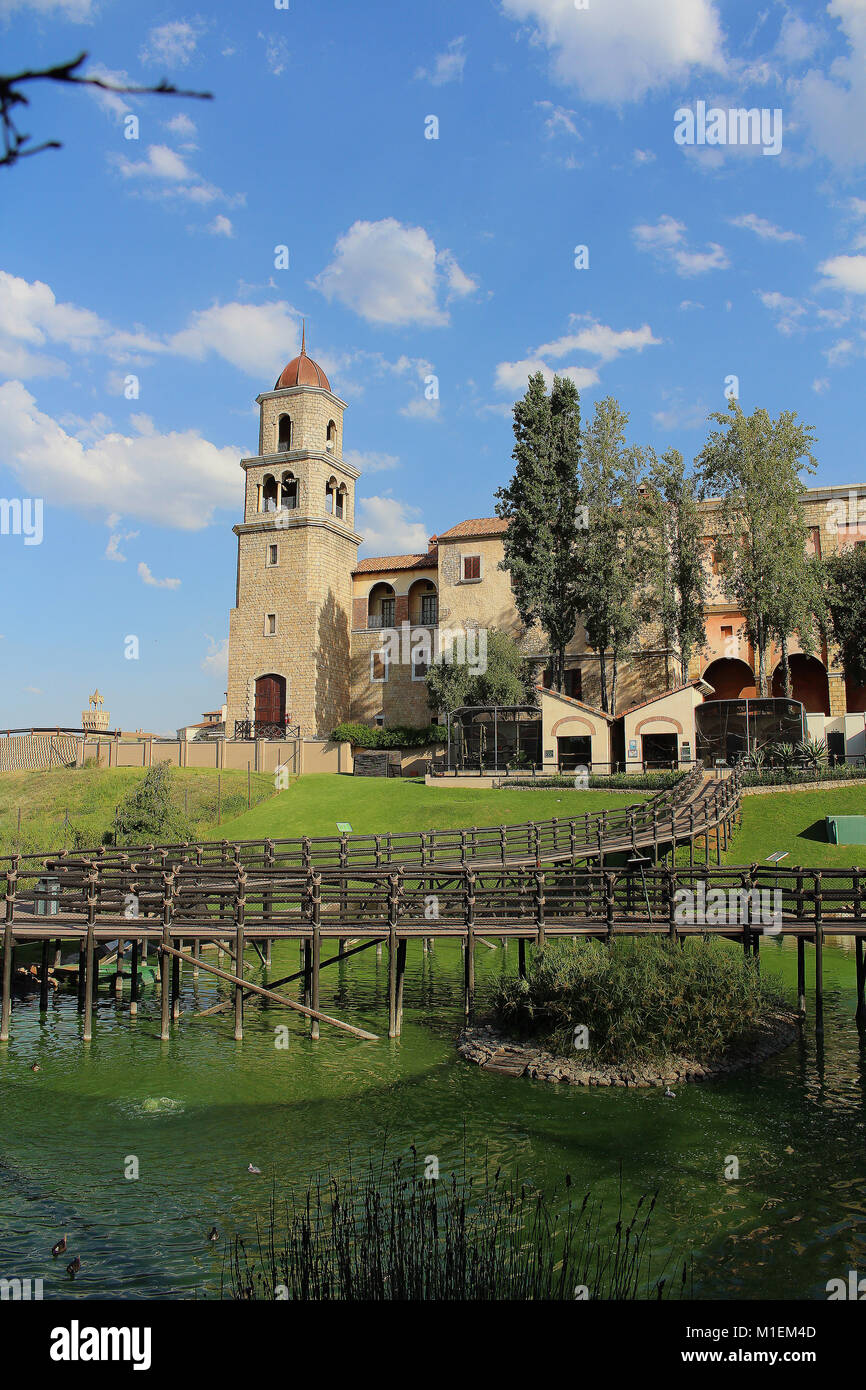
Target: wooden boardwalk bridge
<point x="605" y="876"/>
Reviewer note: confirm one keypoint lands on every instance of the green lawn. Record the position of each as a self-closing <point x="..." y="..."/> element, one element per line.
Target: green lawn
<point x="795" y="821"/>
<point x="315" y="803"/>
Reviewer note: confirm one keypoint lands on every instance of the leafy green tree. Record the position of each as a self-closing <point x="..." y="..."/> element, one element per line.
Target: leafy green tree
<point x="752" y="464"/>
<point x="541" y="504"/>
<point x="673" y="533"/>
<point x="846" y="602"/>
<point x="611" y="551"/>
<point x="508" y="679"/>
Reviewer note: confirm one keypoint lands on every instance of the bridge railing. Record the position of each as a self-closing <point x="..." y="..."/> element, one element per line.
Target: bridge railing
<point x="528" y="840"/>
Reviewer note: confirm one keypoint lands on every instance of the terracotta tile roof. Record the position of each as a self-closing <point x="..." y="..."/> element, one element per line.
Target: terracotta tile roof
<point x="480" y="526"/>
<point x="376" y="564"/>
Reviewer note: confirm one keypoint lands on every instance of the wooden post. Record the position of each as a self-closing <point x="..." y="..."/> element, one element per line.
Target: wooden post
<point x="539" y="909"/>
<point x="801" y="975"/>
<point x="316" y="907"/>
<point x="521" y="957"/>
<point x="401" y="975"/>
<point x="43" y="977"/>
<point x="133" y="977"/>
<point x="175" y="983"/>
<point x="6" y="1003"/>
<point x="165" y="961"/>
<point x="307" y="965"/>
<point x="91" y="969"/>
<point x="469" y="955"/>
<point x="82" y="975"/>
<point x="393" y="910"/>
<point x="240" y="941"/>
<point x="819" y="955"/>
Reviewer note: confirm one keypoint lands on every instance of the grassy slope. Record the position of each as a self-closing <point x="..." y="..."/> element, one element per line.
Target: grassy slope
<point x="795" y="821"/>
<point x="91" y="794"/>
<point x="314" y="804"/>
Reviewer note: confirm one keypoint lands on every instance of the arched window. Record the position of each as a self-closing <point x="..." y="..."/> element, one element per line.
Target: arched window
<point x="289" y="499"/>
<point x="341" y="502"/>
<point x="284" y="434"/>
<point x="331" y="437"/>
<point x="269" y="493"/>
<point x="330" y="492"/>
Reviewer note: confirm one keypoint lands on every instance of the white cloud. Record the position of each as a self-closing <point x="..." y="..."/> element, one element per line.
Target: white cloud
<point x="392" y="274"/>
<point x="176" y="479"/>
<point x="276" y="53"/>
<point x="117" y="538"/>
<point x="258" y="338"/>
<point x="841" y="352"/>
<point x="513" y="376"/>
<point x="182" y="126"/>
<point x="221" y="226"/>
<point x="147" y="577"/>
<point x="603" y="342"/>
<point x="797" y="39"/>
<point x="447" y="66"/>
<point x="789" y="311"/>
<point x="643" y="156"/>
<point x="832" y="105"/>
<point x="680" y="413"/>
<point x="171" y="45"/>
<point x="820" y="385"/>
<point x="845" y="273"/>
<point x="217" y="660"/>
<point x="369" y="462"/>
<point x="420" y="408"/>
<point x="559" y="120"/>
<point x="389" y="527"/>
<point x="161" y="162"/>
<point x="767" y="231"/>
<point x="619" y="50"/>
<point x="78" y="11"/>
<point x="666" y="240"/>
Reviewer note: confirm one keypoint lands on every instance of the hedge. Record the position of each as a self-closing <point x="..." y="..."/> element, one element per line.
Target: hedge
<point x="401" y="736"/>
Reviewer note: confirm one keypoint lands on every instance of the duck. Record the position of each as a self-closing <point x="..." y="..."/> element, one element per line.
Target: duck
<point x="251" y="1168"/>
<point x="59" y="1248"/>
<point x="36" y="1067"/>
<point x="73" y="1267"/>
<point x="213" y="1233"/>
<point x="669" y="1094"/>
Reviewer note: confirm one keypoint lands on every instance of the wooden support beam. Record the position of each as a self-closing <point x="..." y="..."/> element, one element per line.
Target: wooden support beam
<point x="316" y="962"/>
<point x="860" y="1013"/>
<point x="6" y="1000"/>
<point x="43" y="977"/>
<point x="801" y="975"/>
<point x="133" y="977"/>
<point x="165" y="1002"/>
<point x="521" y="957"/>
<point x="275" y="998"/>
<point x="401" y="975"/>
<point x="89" y="964"/>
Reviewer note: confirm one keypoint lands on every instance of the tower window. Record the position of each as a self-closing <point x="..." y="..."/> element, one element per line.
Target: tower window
<point x="471" y="567"/>
<point x="272" y="556"/>
<point x="284" y="433"/>
<point x="378" y="668"/>
<point x="289" y="498"/>
<point x="269" y="493"/>
<point x="341" y="503"/>
<point x="331" y="437"/>
<point x="270" y="624"/>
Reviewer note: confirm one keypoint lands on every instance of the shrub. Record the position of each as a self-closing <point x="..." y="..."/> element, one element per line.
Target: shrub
<point x="783" y="777"/>
<point x="636" y="781"/>
<point x="146" y="815"/>
<point x="401" y="736"/>
<point x="640" y="1000"/>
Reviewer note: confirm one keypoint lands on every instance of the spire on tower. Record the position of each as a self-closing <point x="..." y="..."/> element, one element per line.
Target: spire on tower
<point x="303" y="337"/>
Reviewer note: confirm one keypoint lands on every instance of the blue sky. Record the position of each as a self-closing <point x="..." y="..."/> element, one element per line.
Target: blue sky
<point x="455" y="257"/>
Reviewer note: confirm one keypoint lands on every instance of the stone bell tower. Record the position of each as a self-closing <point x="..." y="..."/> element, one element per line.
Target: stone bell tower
<point x="289" y="632"/>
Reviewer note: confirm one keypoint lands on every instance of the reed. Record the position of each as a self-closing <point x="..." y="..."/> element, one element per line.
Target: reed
<point x="393" y="1234"/>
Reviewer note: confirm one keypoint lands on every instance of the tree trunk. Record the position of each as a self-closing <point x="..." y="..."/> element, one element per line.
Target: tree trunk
<point x="602" y="672"/>
<point x="613" y="672"/>
<point x="786" y="671"/>
<point x="560" y="668"/>
<point x="762" y="670"/>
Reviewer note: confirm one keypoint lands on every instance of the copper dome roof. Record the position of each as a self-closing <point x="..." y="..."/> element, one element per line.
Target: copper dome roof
<point x="302" y="370"/>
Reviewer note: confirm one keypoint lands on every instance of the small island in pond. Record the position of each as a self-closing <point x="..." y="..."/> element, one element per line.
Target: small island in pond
<point x="637" y="1013"/>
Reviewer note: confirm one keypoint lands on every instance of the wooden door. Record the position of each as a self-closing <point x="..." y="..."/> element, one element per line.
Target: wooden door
<point x="271" y="700"/>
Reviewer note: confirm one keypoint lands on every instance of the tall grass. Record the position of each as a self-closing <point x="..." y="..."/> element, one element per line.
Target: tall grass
<point x="640" y="1000"/>
<point x="398" y="1235"/>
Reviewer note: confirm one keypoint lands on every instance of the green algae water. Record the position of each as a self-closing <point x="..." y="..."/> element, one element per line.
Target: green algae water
<point x="196" y="1111"/>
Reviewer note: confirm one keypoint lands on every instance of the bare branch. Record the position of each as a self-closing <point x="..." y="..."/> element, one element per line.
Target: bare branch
<point x="15" y="142"/>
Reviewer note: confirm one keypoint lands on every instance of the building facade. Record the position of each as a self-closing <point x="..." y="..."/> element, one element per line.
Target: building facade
<point x="306" y="633"/>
